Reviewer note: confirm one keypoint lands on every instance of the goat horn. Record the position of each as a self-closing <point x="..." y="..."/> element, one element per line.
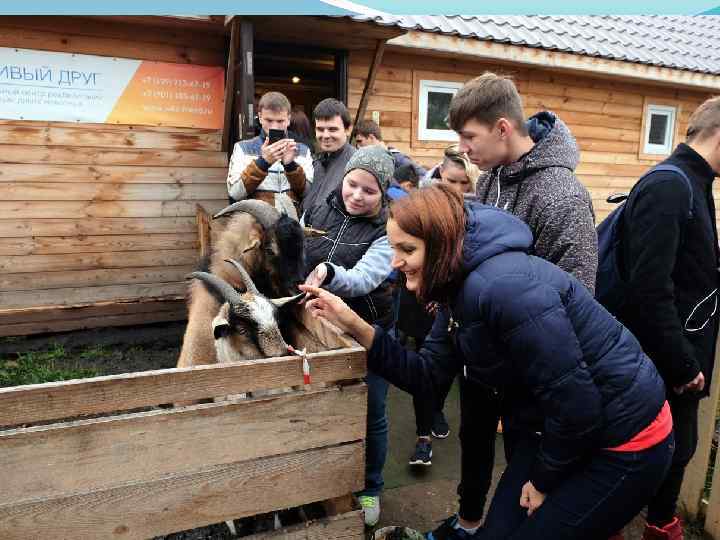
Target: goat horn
<point x="222" y="287"/>
<point x="244" y="276"/>
<point x="280" y="302"/>
<point x="266" y="214"/>
<point x="310" y="232"/>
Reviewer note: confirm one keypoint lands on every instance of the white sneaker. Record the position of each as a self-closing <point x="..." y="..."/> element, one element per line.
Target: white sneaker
<point x="371" y="509"/>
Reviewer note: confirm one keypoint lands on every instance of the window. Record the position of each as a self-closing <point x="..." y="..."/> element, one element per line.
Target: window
<point x="434" y="102"/>
<point x="659" y="129"/>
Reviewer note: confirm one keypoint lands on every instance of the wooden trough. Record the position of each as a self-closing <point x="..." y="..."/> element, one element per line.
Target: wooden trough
<point x="98" y="458"/>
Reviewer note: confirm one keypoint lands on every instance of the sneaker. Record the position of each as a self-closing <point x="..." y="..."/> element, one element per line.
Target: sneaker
<point x="371" y="509"/>
<point x="423" y="453"/>
<point x="440" y="428"/>
<point x="447" y="531"/>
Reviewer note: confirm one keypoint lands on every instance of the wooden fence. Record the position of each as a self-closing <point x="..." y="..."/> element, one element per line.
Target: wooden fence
<point x="97" y="458"/>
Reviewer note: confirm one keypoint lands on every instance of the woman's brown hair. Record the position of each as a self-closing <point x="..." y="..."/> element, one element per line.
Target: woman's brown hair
<point x="436" y="215"/>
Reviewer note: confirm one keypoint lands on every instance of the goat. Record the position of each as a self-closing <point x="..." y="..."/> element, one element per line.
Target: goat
<point x="246" y="325"/>
<point x="269" y="245"/>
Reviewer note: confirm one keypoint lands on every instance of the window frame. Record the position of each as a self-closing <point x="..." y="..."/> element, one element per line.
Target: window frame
<point x="424" y="134"/>
<point x="651" y="106"/>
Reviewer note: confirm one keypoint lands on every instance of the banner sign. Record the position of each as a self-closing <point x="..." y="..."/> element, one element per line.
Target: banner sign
<point x="42" y="85"/>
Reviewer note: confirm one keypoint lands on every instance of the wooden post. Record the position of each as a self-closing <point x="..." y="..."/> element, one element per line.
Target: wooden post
<point x="247" y="80"/>
<point x="369" y="83"/>
<point x="341" y="76"/>
<point x="230" y="84"/>
<point x="203" y="224"/>
<point x="691" y="493"/>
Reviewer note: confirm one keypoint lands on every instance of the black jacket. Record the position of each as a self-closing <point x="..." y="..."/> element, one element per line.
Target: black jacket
<point x="346" y="241"/>
<point x="670" y="262"/>
<point x="525" y="329"/>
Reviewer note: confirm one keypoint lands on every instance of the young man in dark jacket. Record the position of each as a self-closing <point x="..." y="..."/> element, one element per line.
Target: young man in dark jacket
<point x="332" y="128"/>
<point x="670" y="262"/>
<point x="530" y="173"/>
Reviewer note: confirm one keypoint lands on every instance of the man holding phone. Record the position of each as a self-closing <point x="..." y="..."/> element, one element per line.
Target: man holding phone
<point x="271" y="167"/>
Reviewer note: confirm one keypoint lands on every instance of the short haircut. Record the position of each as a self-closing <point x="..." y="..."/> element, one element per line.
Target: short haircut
<point x="487" y="98"/>
<point x="275" y="101"/>
<point x="367" y="128"/>
<point x="705" y="121"/>
<point x="406" y="173"/>
<point x="330" y="108"/>
<point x="437" y="215"/>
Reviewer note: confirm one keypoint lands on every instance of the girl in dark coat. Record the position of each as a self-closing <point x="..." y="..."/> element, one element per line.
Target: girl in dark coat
<point x="585" y="403"/>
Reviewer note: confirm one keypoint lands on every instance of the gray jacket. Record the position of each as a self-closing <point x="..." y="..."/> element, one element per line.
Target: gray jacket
<point x="329" y="171"/>
<point x="542" y="190"/>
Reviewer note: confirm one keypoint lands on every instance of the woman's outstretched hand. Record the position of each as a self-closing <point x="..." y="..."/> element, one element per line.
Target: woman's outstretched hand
<point x="330" y="307"/>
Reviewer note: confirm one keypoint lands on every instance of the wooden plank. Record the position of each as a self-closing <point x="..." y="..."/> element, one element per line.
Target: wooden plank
<point x="131" y="319"/>
<point x="181" y="502"/>
<point x="97" y="310"/>
<point x="348" y="526"/>
<point x="112" y="128"/>
<point x="79" y="136"/>
<point x="573" y="118"/>
<point x="49" y="401"/>
<point x="42" y="462"/>
<point x="693" y="486"/>
<point x="18" y="228"/>
<point x="381" y="87"/>
<point x="88" y="295"/>
<point x="89" y="261"/>
<point x="113" y="47"/>
<point x="597" y="145"/>
<point x="24" y="153"/>
<point x="93" y="278"/>
<point x="50" y="191"/>
<point x="27" y="172"/>
<point x="230" y="76"/>
<point x="116" y="28"/>
<point x="359" y="69"/>
<point x="328" y="334"/>
<point x="369" y="82"/>
<point x="560" y="104"/>
<point x="590" y="94"/>
<point x="382" y="103"/>
<point x="203" y="231"/>
<point x="48" y="245"/>
<point x="245" y="98"/>
<point x="104" y="209"/>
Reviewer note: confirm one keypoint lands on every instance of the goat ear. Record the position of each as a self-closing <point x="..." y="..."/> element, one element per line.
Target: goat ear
<point x="287" y="300"/>
<point x="253" y="245"/>
<point x="221" y="328"/>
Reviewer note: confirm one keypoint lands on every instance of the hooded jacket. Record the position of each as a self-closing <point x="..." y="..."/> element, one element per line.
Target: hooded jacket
<point x="520" y="327"/>
<point x="541" y="189"/>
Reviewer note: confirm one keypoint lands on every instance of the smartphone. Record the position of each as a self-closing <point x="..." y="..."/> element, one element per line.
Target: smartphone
<point x="276" y="135"/>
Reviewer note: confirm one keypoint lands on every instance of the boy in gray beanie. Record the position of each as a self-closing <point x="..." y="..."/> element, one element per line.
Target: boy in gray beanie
<point x="352" y="260"/>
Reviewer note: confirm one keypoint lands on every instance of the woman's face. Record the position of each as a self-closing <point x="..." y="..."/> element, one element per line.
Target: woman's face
<point x="361" y="193"/>
<point x="408" y="254"/>
<point x="454" y="175"/>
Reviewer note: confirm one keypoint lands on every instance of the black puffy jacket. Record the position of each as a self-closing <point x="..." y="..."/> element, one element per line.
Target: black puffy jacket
<point x="529" y="331"/>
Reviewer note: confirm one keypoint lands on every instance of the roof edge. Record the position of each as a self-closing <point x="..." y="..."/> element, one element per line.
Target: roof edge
<point x="490" y="50"/>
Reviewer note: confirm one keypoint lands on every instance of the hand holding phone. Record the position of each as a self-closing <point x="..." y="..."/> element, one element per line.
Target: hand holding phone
<point x="276" y="135"/>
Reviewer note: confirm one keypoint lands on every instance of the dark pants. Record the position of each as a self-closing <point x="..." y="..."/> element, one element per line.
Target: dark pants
<point x="601" y="497"/>
<point x="661" y="509"/>
<point x="425" y="411"/>
<point x="376" y="442"/>
<point x="479" y="414"/>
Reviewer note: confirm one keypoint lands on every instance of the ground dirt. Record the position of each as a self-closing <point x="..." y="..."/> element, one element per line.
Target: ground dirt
<point x="419" y="499"/>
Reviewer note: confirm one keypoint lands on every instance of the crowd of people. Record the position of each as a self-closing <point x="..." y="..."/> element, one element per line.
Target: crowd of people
<point x="483" y="269"/>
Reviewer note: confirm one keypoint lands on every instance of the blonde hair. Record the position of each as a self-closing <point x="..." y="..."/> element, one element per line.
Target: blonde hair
<point x="454" y="155"/>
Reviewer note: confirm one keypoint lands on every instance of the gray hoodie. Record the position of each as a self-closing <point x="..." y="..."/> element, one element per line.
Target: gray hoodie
<point x="542" y="190"/>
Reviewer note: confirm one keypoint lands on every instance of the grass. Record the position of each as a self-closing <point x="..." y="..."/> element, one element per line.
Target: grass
<point x="42" y="366"/>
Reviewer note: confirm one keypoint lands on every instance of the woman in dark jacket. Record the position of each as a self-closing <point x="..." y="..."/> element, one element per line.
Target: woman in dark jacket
<point x="595" y="432"/>
<point x="352" y="259"/>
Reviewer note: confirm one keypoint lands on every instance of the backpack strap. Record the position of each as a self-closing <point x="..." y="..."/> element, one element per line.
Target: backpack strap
<point x="666" y="167"/>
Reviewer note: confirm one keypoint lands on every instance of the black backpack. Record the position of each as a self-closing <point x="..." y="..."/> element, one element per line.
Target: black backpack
<point x="610" y="287"/>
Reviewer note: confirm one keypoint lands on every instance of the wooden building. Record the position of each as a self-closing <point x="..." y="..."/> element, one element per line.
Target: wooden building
<point x="98" y="220"/>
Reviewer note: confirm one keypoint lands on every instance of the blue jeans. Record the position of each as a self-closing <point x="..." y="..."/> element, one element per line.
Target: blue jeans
<point x="376" y="442"/>
<point x="604" y="494"/>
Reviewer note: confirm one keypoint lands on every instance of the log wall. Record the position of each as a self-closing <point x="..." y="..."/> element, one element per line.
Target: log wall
<point x="605" y="115"/>
<point x="92" y="215"/>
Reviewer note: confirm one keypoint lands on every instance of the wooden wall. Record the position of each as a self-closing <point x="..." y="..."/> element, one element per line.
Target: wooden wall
<point x="96" y="214"/>
<point x="604" y="115"/>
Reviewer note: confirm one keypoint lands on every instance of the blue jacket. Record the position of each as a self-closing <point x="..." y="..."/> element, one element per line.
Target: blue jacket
<point x="528" y="331"/>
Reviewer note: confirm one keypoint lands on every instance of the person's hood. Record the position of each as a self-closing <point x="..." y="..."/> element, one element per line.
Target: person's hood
<point x="554" y="146"/>
<point x="490" y="231"/>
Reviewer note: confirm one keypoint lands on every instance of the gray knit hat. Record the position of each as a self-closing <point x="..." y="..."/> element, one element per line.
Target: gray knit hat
<point x="377" y="161"/>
